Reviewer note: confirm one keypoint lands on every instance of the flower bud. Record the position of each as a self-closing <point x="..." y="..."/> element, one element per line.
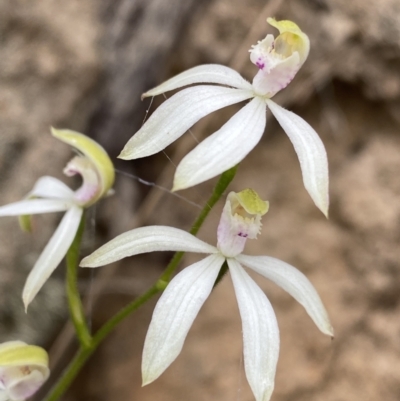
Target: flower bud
<point x="93" y="164"/>
<point x="23" y="370"/>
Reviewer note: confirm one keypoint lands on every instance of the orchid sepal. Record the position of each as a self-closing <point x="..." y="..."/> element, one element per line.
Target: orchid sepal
<point x="206" y="73"/>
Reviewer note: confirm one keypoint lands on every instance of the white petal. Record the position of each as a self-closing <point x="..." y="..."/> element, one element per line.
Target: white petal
<point x="146" y="239"/>
<point x="208" y="73"/>
<point x="176" y="115"/>
<point x="295" y="283"/>
<point x="311" y="153"/>
<point x="50" y="187"/>
<point x="34" y="206"/>
<point x="260" y="333"/>
<point x="174" y="314"/>
<point x="225" y="148"/>
<point x="52" y="254"/>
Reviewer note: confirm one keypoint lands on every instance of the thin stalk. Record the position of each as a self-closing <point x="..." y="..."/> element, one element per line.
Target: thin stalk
<point x="74" y="299"/>
<point x="84" y="352"/>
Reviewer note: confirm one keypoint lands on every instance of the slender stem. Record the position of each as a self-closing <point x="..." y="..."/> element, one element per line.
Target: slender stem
<point x="70" y="373"/>
<point x="74" y="300"/>
<point x="106" y="329"/>
<point x="84" y="352"/>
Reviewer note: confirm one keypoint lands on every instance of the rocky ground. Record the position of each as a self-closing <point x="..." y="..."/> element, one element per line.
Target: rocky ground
<point x="55" y="68"/>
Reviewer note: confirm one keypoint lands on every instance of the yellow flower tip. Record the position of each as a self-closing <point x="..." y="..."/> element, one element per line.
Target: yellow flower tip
<point x="177" y="186"/>
<point x="124" y="155"/>
<point x="85" y="262"/>
<point x="17" y="353"/>
<point x="252" y="203"/>
<point x="284" y="25"/>
<point x="323" y="205"/>
<point x="147" y="379"/>
<point x="26" y="301"/>
<point x="291" y="39"/>
<point x="25" y="223"/>
<point x="145" y="382"/>
<point x="92" y="151"/>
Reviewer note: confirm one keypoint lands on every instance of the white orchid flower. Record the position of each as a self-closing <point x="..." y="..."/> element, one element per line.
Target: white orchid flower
<point x="23" y="370"/>
<point x="278" y="61"/>
<point x="188" y="290"/>
<point x="52" y="195"/>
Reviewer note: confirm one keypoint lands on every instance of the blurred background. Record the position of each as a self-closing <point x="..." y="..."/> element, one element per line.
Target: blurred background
<point x="83" y="65"/>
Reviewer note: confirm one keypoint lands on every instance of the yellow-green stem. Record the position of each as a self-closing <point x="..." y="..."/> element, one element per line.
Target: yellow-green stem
<point x="74" y="299"/>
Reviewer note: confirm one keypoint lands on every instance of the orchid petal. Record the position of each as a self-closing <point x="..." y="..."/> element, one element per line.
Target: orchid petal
<point x="176" y="115"/>
<point x="295" y="283"/>
<point x="174" y="314"/>
<point x="208" y="73"/>
<point x="34" y="206"/>
<point x="143" y="240"/>
<point x="50" y="187"/>
<point x="225" y="148"/>
<point x="52" y="254"/>
<point x="260" y="332"/>
<point x="310" y="151"/>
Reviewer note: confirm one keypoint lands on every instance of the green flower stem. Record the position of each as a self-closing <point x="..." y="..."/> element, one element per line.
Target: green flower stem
<point x="85" y="352"/>
<point x="74" y="300"/>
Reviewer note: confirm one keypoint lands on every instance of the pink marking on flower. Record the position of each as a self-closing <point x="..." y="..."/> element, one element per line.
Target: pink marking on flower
<point x="260" y="64"/>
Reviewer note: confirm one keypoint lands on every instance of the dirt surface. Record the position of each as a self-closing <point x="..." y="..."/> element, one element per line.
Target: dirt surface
<point x="348" y="90"/>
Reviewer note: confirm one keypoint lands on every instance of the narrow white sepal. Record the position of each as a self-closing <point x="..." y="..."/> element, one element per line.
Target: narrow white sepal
<point x="146" y="239"/>
<point x="52" y="254"/>
<point x="260" y="333"/>
<point x="311" y="153"/>
<point x="295" y="283"/>
<point x="176" y="115"/>
<point x="225" y="148"/>
<point x="34" y="206"/>
<point x="50" y="187"/>
<point x="174" y="314"/>
<point x="208" y="73"/>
